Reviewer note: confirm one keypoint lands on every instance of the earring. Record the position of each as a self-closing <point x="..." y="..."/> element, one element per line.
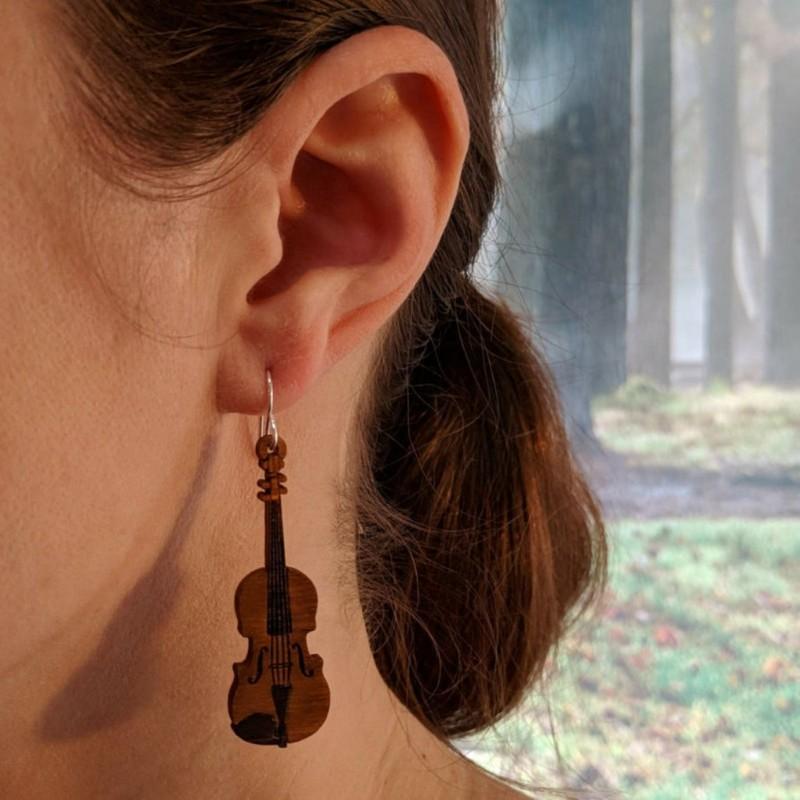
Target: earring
<point x="279" y="694"/>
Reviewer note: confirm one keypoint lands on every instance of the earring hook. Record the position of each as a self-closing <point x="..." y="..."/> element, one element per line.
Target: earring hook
<point x="271" y="423"/>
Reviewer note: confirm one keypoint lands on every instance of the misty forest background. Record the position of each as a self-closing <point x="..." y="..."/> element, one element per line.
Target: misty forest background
<point x="650" y="230"/>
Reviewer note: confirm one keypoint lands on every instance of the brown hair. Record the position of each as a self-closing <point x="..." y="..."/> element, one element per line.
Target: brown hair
<point x="479" y="541"/>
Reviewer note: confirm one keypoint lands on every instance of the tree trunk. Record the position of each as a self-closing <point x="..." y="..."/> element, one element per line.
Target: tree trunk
<point x="651" y="328"/>
<point x="612" y="100"/>
<point x="567" y="188"/>
<point x="783" y="262"/>
<point x="721" y="107"/>
<point x="748" y="304"/>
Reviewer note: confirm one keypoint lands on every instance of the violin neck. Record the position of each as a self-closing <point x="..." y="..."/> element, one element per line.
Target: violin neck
<point x="274" y="553"/>
<point x="279" y="618"/>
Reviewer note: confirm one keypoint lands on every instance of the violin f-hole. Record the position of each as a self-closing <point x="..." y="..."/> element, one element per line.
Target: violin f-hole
<point x="259" y="667"/>
<point x="307" y="671"/>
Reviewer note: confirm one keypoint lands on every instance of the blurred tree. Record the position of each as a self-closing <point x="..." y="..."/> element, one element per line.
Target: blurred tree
<point x="650" y="330"/>
<point x="749" y="269"/>
<point x="566" y="204"/>
<point x="721" y="119"/>
<point x="783" y="261"/>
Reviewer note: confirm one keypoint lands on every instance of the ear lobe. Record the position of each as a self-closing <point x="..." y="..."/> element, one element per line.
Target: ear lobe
<point x="366" y="162"/>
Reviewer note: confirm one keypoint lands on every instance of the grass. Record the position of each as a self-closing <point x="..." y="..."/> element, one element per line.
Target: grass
<point x="686" y="684"/>
<point x="751" y="427"/>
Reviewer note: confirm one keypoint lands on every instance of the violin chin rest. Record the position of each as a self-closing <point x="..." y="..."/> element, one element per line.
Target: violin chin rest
<point x="258" y="728"/>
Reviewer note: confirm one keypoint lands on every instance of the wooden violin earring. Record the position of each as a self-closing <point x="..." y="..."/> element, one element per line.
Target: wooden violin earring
<point x="279" y="694"/>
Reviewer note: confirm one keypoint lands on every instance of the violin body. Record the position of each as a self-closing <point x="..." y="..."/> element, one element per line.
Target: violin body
<point x="255" y="709"/>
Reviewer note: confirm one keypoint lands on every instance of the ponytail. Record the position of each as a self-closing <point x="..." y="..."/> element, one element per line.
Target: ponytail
<point x="477" y="534"/>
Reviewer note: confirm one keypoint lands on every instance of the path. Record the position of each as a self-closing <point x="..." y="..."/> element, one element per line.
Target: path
<point x="630" y="489"/>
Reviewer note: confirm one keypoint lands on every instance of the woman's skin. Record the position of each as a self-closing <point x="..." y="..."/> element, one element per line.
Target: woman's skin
<point x="134" y="336"/>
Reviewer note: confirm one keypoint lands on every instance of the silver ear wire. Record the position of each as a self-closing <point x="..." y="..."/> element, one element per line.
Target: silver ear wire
<point x="271" y="424"/>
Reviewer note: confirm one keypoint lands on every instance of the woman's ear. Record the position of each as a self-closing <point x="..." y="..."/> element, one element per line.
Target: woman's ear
<point x="352" y="175"/>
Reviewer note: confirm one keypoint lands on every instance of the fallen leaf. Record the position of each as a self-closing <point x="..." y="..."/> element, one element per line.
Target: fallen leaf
<point x="773" y="668"/>
<point x="666" y="636"/>
<point x="745" y="769"/>
<point x="641" y="659"/>
<point x="618" y="634"/>
<point x="783" y="703"/>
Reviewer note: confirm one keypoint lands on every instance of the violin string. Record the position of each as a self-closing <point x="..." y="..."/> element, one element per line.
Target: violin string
<point x="277" y="596"/>
<point x="279" y="569"/>
<point x="271" y="583"/>
<point x="276" y="591"/>
<point x="284" y="577"/>
<point x="280" y="614"/>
